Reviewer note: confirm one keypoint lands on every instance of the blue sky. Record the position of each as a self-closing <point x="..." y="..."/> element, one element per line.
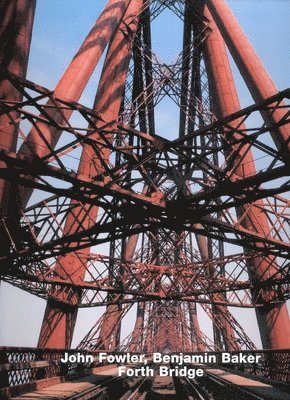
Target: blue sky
<point x="60" y="27"/>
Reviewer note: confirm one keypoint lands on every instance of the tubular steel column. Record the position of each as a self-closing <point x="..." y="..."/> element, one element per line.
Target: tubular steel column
<point x="218" y="311"/>
<point x="107" y="103"/>
<point x="15" y="37"/>
<point x="73" y="82"/>
<point x="111" y="325"/>
<point x="191" y="88"/>
<point x="17" y="18"/>
<point x="195" y="328"/>
<point x="137" y="331"/>
<point x="137" y="334"/>
<point x="273" y="321"/>
<point x="253" y="71"/>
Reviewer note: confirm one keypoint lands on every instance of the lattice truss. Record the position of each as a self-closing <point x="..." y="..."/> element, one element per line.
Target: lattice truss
<point x="107" y="211"/>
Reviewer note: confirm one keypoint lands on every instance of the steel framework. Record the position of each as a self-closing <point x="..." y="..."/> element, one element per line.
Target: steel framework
<point x="200" y="219"/>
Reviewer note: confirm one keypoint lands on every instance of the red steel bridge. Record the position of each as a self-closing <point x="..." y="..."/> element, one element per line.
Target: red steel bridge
<point x="98" y="208"/>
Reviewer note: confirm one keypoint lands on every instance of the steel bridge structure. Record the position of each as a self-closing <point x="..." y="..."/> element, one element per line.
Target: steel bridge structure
<point x="98" y="208"/>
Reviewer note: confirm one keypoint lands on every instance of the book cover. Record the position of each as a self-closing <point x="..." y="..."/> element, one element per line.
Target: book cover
<point x="144" y="199"/>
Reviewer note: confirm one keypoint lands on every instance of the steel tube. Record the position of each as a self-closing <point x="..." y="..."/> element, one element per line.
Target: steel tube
<point x="73" y="82"/>
<point x="218" y="311"/>
<point x="271" y="319"/>
<point x="252" y="69"/>
<point x="15" y="38"/>
<point x="108" y="103"/>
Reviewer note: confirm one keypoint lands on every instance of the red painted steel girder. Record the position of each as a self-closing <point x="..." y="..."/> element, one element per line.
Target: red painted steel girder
<point x="253" y="71"/>
<point x="108" y="103"/>
<point x="73" y="82"/>
<point x="271" y="319"/>
<point x="193" y="213"/>
<point x="188" y="282"/>
<point x="15" y="37"/>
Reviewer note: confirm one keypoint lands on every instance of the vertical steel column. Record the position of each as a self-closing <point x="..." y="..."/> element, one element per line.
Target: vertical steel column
<point x="121" y="49"/>
<point x="107" y="103"/>
<point x="185" y="331"/>
<point x="150" y="327"/>
<point x="191" y="88"/>
<point x="137" y="331"/>
<point x="253" y="71"/>
<point x="15" y="37"/>
<point x="73" y="82"/>
<point x="195" y="331"/>
<point x="194" y="325"/>
<point x="111" y="325"/>
<point x="218" y="311"/>
<point x="273" y="321"/>
<point x="137" y="334"/>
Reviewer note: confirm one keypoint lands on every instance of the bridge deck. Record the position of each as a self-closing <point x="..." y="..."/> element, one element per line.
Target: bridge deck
<point x="98" y="385"/>
<point x="67" y="390"/>
<point x="255" y="386"/>
<point x="31" y="374"/>
<point x="86" y="387"/>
